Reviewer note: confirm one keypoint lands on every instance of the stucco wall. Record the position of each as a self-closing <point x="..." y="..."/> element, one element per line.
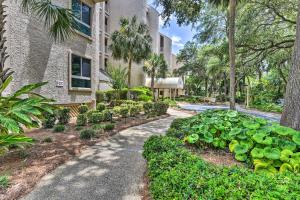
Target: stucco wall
<point x="35" y="58"/>
<point x="128" y="9"/>
<point x="167" y="50"/>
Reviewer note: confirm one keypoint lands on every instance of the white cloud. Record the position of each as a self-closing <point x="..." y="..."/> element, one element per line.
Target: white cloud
<point x="177" y="41"/>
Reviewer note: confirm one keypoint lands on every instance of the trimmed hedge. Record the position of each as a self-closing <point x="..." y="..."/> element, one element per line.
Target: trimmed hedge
<point x="175" y="173"/>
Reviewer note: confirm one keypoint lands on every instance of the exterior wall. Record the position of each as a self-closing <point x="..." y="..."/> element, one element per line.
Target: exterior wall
<point x="175" y="64"/>
<point x="145" y="14"/>
<point x="166" y="49"/>
<point x="35" y="58"/>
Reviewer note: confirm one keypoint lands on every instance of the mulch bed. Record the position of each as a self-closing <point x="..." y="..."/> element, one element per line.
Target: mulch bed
<point x="25" y="167"/>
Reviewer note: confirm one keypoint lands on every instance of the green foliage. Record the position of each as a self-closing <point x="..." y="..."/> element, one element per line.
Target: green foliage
<point x="63" y="115"/>
<point x="160" y="108"/>
<point x="59" y="128"/>
<point x="148" y="107"/>
<point x="49" y="120"/>
<point x="106" y="115"/>
<point x="82" y="120"/>
<point x="83" y="109"/>
<point x="108" y="127"/>
<point x="89" y="115"/>
<point x="176" y="173"/>
<point x="101" y="107"/>
<point x="96" y="118"/>
<point x="171" y="102"/>
<point x="87" y="134"/>
<point x="124" y="111"/>
<point x="8" y="140"/>
<point x="100" y="96"/>
<point x="4" y="182"/>
<point x="118" y="77"/>
<point x="252" y="140"/>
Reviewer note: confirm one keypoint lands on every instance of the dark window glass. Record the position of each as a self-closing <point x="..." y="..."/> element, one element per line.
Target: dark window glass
<point x="76" y="65"/>
<point x="86" y="67"/>
<point x="76" y="7"/>
<point x="86" y="14"/>
<point x="81" y="83"/>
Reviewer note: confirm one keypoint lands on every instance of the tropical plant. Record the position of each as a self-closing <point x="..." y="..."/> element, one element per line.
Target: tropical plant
<point x="155" y="67"/>
<point x="132" y="43"/>
<point x="21" y="109"/>
<point x="118" y="77"/>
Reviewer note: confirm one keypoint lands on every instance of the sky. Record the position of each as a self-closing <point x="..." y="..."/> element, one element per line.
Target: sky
<point x="179" y="35"/>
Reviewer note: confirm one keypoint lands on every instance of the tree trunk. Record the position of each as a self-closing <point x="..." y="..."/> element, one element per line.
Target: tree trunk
<point x="129" y="77"/>
<point x="152" y="84"/>
<point x="225" y="84"/>
<point x="291" y="113"/>
<point x="231" y="40"/>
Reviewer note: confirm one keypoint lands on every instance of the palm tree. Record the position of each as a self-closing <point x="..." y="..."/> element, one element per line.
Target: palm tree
<point x="58" y="20"/>
<point x="155" y="67"/>
<point x="132" y="43"/>
<point x="232" y="7"/>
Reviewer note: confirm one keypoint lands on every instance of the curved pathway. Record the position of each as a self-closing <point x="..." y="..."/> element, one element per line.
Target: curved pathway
<point x="110" y="170"/>
<point x="201" y="108"/>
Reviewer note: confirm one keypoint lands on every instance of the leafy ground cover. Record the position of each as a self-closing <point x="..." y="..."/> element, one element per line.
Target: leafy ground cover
<point x="268" y="147"/>
<point x="268" y="107"/>
<point x="176" y="173"/>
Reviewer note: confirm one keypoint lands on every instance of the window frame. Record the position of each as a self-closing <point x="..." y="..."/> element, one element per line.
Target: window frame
<point x="80" y="20"/>
<point x="71" y="76"/>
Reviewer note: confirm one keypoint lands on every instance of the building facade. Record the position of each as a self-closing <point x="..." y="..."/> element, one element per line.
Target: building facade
<point x="75" y="69"/>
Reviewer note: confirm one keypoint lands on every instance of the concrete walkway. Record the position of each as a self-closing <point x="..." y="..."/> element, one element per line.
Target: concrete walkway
<point x="110" y="170"/>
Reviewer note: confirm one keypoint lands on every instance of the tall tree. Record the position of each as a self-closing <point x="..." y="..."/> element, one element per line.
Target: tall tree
<point x="58" y="20"/>
<point x="155" y="67"/>
<point x="188" y="11"/>
<point x="291" y="113"/>
<point x="132" y="43"/>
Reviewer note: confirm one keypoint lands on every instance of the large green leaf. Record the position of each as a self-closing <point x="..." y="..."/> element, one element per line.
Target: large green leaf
<point x="27" y="89"/>
<point x="241" y="148"/>
<point x="272" y="153"/>
<point x="286" y="155"/>
<point x="262" y="138"/>
<point x="253" y="125"/>
<point x="257" y="153"/>
<point x="192" y="139"/>
<point x="285" y="167"/>
<point x="281" y="130"/>
<point x="296" y="138"/>
<point x="232" y="145"/>
<point x="241" y="157"/>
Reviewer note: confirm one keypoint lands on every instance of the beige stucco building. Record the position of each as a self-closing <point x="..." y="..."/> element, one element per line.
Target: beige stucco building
<point x="75" y="69"/>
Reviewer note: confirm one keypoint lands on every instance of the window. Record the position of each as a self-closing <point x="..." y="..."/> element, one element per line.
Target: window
<point x="83" y="14"/>
<point x="81" y="72"/>
<point x="162" y="41"/>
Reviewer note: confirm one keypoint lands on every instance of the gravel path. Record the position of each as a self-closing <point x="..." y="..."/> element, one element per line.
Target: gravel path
<point x="110" y="170"/>
<point x="201" y="108"/>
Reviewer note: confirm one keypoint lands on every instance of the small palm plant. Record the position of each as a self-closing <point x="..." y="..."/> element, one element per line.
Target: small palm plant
<point x="22" y="109"/>
<point x="155" y="67"/>
<point x="132" y="43"/>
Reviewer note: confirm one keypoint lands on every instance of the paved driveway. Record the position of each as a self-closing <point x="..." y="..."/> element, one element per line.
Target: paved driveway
<point x="201" y="108"/>
<point x="110" y="170"/>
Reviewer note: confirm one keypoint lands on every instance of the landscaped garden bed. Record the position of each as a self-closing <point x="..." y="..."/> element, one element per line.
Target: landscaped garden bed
<point x="224" y="155"/>
<point x="22" y="168"/>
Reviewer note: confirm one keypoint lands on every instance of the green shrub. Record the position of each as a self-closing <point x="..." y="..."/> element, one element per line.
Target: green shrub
<point x="269" y="147"/>
<point x="63" y="115"/>
<point x="124" y="111"/>
<point x="4" y="182"/>
<point x="59" y="128"/>
<point x="97" y="127"/>
<point x="81" y="120"/>
<point x="148" y="108"/>
<point x="111" y="95"/>
<point x="47" y="140"/>
<point x="100" y="107"/>
<point x="134" y="110"/>
<point x="87" y="134"/>
<point x="100" y="96"/>
<point x="83" y="109"/>
<point x="108" y="127"/>
<point x="141" y="93"/>
<point x="49" y="120"/>
<point x="144" y="98"/>
<point x="106" y="115"/>
<point x="96" y="118"/>
<point x="89" y="115"/>
<point x="175" y="173"/>
<point x="171" y="102"/>
<point x="160" y="108"/>
<point x="78" y="128"/>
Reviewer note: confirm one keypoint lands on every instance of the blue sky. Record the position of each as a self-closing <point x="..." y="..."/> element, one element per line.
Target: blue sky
<point x="179" y="35"/>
